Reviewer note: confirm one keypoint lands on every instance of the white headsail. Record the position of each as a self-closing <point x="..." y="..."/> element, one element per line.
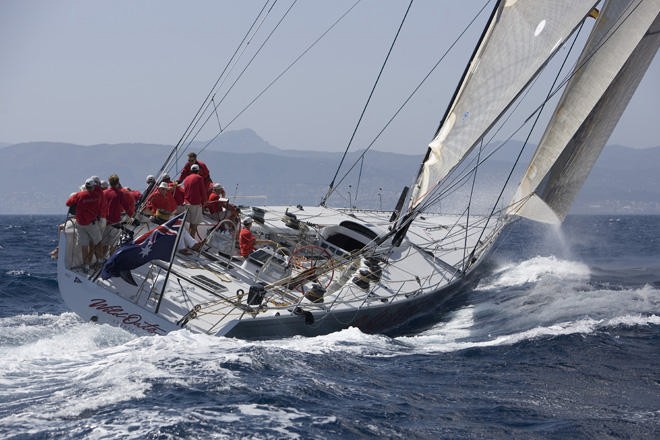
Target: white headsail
<point x="521" y="37"/>
<point x="618" y="52"/>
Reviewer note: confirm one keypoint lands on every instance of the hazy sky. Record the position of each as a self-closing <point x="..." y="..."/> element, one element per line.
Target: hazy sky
<point x="90" y="72"/>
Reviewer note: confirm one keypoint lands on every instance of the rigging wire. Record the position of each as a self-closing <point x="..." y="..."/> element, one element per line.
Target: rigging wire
<point x="366" y="104"/>
<point x="224" y="70"/>
<point x="469" y="204"/>
<point x="281" y="74"/>
<point x="263" y="43"/>
<point x="204" y="104"/>
<point x="258" y="51"/>
<point x="413" y="93"/>
<point x="357" y="188"/>
<point x="215" y="108"/>
<point x="243" y="46"/>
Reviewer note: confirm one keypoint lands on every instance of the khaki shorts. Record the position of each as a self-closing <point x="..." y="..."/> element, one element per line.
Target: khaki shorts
<point x="162" y="214"/>
<point x="110" y="235"/>
<point x="194" y="214"/>
<point x="88" y="234"/>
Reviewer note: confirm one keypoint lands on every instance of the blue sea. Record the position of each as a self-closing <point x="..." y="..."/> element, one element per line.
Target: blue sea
<point x="560" y="341"/>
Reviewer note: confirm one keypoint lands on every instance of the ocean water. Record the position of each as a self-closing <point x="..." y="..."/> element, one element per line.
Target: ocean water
<point x="561" y="340"/>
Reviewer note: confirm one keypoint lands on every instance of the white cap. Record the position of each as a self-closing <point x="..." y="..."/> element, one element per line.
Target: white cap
<point x="165" y="176"/>
<point x="104" y="184"/>
<point x="163" y="185"/>
<point x="90" y="183"/>
<point x="217" y="186"/>
<point x="194" y="167"/>
<point x="150" y="178"/>
<point x="247" y="220"/>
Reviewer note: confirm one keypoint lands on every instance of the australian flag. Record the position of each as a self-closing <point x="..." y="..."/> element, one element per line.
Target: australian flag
<point x="156" y="244"/>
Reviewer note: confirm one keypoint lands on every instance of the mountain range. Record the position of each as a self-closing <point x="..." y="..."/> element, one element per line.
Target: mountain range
<point x="39" y="176"/>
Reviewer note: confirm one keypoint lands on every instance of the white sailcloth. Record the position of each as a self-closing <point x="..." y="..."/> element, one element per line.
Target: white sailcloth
<point x="613" y="62"/>
<point x="522" y="36"/>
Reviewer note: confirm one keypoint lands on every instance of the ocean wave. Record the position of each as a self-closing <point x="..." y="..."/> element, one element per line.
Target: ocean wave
<point x="505" y="317"/>
<point x="535" y="270"/>
<point x="437" y="341"/>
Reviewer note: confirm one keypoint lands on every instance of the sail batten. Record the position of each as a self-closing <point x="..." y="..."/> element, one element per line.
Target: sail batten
<point x="522" y="36"/>
<point x="613" y="62"/>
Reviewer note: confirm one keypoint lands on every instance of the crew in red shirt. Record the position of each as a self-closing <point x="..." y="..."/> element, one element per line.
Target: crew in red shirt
<point x="194" y="197"/>
<point x="134" y="195"/>
<point x="88" y="203"/>
<point x="177" y="190"/>
<point x="99" y="189"/>
<point x="118" y="201"/>
<point x="247" y="242"/>
<point x="203" y="170"/>
<point x="217" y="202"/>
<point x="161" y="203"/>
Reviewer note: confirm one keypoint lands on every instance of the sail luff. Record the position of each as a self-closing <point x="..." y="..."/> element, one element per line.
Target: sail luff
<point x="613" y="62"/>
<point x="468" y="67"/>
<point x="524" y="35"/>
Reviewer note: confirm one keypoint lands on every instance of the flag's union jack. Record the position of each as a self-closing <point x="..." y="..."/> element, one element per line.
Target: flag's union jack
<point x="156" y="244"/>
<point x="164" y="229"/>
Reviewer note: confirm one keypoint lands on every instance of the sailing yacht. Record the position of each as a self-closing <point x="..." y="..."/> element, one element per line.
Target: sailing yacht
<point x="331" y="268"/>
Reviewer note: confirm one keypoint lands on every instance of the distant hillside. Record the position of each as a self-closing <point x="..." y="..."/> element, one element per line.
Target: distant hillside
<point x="237" y="141"/>
<point x="37" y="177"/>
<point x="624" y="181"/>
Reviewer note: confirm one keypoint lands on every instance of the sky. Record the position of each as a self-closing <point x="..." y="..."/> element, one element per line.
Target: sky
<point x="92" y="72"/>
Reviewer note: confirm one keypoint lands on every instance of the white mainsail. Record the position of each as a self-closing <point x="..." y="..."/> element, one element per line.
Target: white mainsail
<point x="521" y="37"/>
<point x="613" y="62"/>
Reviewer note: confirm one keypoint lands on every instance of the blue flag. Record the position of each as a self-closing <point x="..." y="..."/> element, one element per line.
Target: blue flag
<point x="156" y="244"/>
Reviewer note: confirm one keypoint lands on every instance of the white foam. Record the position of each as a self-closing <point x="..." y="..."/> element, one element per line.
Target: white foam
<point x="15" y="272"/>
<point x="77" y="370"/>
<point x="279" y="419"/>
<point x="457" y="327"/>
<point x="350" y="340"/>
<point x="632" y="321"/>
<point x="83" y="367"/>
<point x="533" y="270"/>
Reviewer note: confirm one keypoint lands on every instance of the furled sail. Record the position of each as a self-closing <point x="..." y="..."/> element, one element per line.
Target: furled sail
<point x="613" y="62"/>
<point x="519" y="40"/>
